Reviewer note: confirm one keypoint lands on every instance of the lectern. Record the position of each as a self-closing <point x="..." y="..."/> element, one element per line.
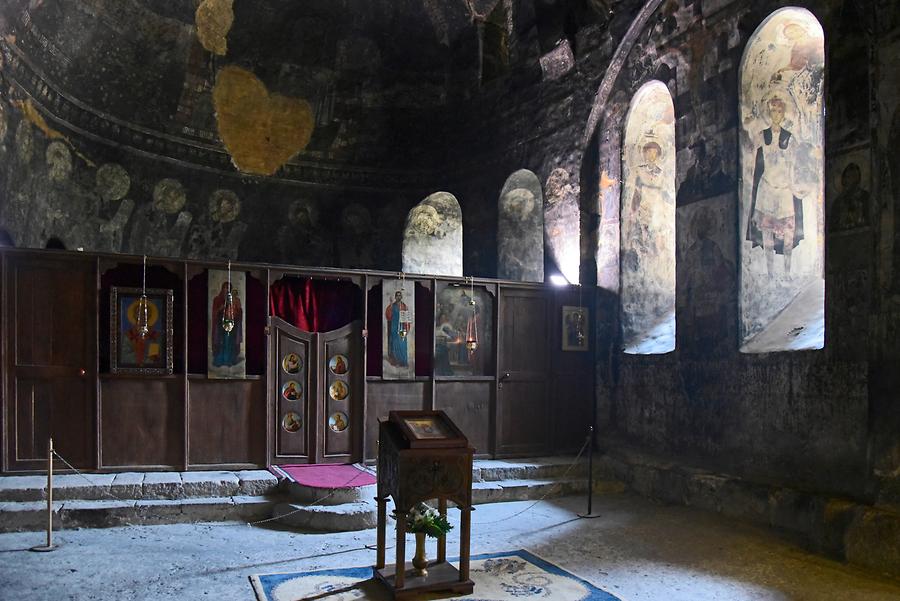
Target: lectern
<point x="422" y="456"/>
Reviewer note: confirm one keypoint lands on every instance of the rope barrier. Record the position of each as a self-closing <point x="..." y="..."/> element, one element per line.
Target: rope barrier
<point x="250" y="524"/>
<point x="546" y="494"/>
<point x="552" y="489"/>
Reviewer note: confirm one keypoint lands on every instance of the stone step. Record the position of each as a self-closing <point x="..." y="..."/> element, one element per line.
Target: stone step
<point x="139" y="485"/>
<point x="32" y="515"/>
<point x="343" y="517"/>
<point x="501" y="491"/>
<point x="308" y="495"/>
<point x="492" y="470"/>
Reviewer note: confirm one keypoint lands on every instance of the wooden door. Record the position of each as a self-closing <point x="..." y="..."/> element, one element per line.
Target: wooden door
<point x="523" y="424"/>
<point x="51" y="360"/>
<point x="316" y="393"/>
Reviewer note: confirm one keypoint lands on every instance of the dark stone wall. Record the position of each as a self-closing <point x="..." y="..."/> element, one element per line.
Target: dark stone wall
<point x="555" y="99"/>
<point x="823" y="420"/>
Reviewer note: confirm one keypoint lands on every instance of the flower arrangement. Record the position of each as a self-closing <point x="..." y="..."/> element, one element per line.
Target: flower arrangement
<point x="425" y="519"/>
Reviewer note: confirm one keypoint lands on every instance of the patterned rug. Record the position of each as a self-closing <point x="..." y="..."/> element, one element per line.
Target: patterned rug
<point x="508" y="576"/>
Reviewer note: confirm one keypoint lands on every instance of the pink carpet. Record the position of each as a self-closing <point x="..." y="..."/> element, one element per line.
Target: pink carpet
<point x="324" y="476"/>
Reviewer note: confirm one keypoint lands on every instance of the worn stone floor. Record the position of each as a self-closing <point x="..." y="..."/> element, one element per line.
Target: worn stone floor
<point x="636" y="550"/>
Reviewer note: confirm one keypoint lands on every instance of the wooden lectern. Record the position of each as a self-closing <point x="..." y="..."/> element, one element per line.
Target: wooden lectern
<point x="422" y="455"/>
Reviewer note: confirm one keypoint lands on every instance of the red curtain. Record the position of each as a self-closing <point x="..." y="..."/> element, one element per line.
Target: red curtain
<point x="315" y="305"/>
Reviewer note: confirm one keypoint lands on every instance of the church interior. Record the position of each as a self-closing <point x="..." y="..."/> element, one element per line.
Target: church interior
<point x="558" y="299"/>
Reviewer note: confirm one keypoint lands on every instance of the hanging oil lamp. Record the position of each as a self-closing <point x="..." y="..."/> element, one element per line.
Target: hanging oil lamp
<point x="228" y="309"/>
<point x="472" y="326"/>
<point x="579" y="319"/>
<point x="401" y="331"/>
<point x="142" y="318"/>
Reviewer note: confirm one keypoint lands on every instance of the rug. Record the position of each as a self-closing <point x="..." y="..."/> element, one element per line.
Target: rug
<point x="508" y="576"/>
<point x="325" y="476"/>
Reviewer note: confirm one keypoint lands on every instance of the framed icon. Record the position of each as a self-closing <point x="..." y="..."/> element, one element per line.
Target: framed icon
<point x="423" y="429"/>
<point x="339" y="390"/>
<point x="291" y="390"/>
<point x="291" y="422"/>
<point x="574" y="328"/>
<point x="338" y="421"/>
<point x="140" y="331"/>
<point x="339" y="365"/>
<point x="292" y="363"/>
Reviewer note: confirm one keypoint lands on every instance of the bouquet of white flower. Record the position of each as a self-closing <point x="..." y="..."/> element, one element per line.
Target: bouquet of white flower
<point x="422" y="518"/>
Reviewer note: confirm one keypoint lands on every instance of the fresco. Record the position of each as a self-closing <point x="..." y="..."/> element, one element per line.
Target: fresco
<point x="781" y="147"/>
<point x="562" y="228"/>
<point x="399" y="339"/>
<point x="214" y="19"/>
<point x="648" y="222"/>
<point x="432" y="239"/>
<point x="520" y="235"/>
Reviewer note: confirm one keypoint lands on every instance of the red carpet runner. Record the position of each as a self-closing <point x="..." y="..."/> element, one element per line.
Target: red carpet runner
<point x="324" y="476"/>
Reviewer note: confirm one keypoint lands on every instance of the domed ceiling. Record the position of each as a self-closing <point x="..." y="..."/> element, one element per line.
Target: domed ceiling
<point x="250" y="82"/>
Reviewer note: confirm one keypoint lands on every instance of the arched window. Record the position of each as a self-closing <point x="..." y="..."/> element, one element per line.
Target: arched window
<point x="782" y="191"/>
<point x="648" y="222"/>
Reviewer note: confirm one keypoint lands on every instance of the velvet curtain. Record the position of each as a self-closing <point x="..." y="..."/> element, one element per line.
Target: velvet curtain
<point x="315" y="305"/>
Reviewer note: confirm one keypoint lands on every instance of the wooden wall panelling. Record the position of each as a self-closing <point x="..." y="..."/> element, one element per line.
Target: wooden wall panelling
<point x="468" y="404"/>
<point x="143" y="422"/>
<point x="227" y="423"/>
<point x="572" y="384"/>
<point x="391" y="395"/>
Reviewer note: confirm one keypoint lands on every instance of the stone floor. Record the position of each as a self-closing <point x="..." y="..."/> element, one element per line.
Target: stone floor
<point x="636" y="550"/>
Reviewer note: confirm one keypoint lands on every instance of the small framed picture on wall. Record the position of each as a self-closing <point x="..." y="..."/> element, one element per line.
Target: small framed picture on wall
<point x="140" y="331"/>
<point x="574" y="328"/>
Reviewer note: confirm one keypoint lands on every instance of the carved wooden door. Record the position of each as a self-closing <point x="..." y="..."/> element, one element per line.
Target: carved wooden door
<point x="316" y="394"/>
<point x="51" y="356"/>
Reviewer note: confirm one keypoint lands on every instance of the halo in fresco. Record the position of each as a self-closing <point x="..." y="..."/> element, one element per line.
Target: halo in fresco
<point x="112" y="181"/>
<point x="224" y="206"/>
<point x="25" y="140"/>
<point x="59" y="161"/>
<point x="169" y="195"/>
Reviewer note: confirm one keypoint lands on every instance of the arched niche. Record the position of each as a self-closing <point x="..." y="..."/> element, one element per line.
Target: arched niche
<point x="432" y="238"/>
<point x="520" y="235"/>
<point x="782" y="193"/>
<point x="648" y="222"/>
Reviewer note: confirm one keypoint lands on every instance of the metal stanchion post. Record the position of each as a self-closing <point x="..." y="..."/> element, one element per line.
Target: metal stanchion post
<point x="590" y="475"/>
<point x="49" y="546"/>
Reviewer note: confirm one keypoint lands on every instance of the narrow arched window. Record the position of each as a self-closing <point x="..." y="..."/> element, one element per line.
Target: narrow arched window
<point x="648" y="222"/>
<point x="782" y="192"/>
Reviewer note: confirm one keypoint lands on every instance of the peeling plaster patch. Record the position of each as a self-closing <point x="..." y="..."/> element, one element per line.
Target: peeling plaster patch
<point x="261" y="131"/>
<point x="214" y="19"/>
<point x="112" y="181"/>
<point x="59" y="161"/>
<point x="558" y="61"/>
<point x="169" y="196"/>
<point x="30" y="113"/>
